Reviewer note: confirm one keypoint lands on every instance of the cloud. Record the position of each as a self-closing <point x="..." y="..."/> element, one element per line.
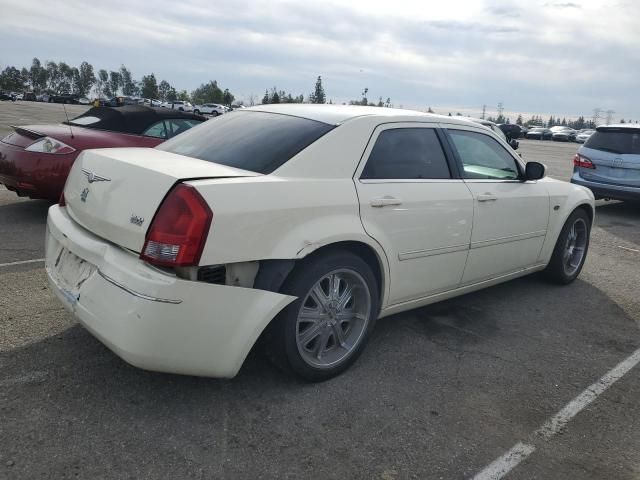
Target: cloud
<point x="534" y="56"/>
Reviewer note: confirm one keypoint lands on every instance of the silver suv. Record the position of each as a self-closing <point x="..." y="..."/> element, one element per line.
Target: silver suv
<point x="609" y="162"/>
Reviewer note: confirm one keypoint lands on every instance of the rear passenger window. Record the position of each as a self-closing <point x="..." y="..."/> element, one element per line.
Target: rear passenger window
<point x="407" y="153"/>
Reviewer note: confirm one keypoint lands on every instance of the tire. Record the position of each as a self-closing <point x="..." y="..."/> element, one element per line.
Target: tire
<point x="572" y="241"/>
<point x="317" y="346"/>
<point x="197" y="112"/>
<point x="214" y="114"/>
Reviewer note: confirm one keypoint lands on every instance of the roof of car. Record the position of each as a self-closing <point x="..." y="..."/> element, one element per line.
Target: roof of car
<point x="131" y="118"/>
<point x="631" y="126"/>
<point x="336" y="114"/>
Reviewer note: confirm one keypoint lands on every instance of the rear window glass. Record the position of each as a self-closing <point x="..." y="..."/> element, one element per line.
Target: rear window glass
<point x="255" y="141"/>
<point x="615" y="141"/>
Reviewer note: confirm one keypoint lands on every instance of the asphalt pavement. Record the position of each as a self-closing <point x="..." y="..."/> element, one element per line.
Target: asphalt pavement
<point x="440" y="392"/>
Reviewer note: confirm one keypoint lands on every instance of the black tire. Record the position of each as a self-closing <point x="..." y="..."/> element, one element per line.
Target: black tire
<point x="214" y="114"/>
<point x="556" y="270"/>
<point x="280" y="338"/>
<point x="197" y="112"/>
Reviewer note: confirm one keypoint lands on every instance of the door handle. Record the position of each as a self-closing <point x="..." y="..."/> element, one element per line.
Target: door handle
<point x="487" y="197"/>
<point x="385" y="202"/>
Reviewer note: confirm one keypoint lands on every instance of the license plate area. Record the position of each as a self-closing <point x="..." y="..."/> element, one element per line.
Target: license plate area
<point x="69" y="271"/>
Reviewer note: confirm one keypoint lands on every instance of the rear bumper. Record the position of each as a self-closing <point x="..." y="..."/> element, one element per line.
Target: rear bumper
<point x="606" y="190"/>
<point x="32" y="174"/>
<point x="151" y="319"/>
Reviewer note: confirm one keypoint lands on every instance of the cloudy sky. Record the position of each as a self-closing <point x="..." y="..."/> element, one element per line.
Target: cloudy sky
<point x="547" y="57"/>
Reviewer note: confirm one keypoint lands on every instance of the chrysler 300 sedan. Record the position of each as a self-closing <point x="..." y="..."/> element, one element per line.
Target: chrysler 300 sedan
<point x="299" y="226"/>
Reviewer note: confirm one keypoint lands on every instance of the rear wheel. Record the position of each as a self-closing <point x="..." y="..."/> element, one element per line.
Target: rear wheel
<point x="214" y="114"/>
<point x="197" y="112"/>
<point x="571" y="249"/>
<point x="322" y="333"/>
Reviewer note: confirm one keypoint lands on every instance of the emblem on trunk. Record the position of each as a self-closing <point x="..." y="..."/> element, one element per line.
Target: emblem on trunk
<point x="136" y="220"/>
<point x="92" y="177"/>
<point x="84" y="194"/>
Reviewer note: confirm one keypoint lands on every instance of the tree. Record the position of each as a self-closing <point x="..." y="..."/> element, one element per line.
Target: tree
<point x="519" y="120"/>
<point x="37" y="76"/>
<point x="53" y="76"/>
<point x="103" y="83"/>
<point x="86" y="78"/>
<point x="115" y="82"/>
<point x="12" y="79"/>
<point x="163" y="90"/>
<point x="184" y="96"/>
<point x="128" y="84"/>
<point x="149" y="87"/>
<point x="227" y="97"/>
<point x="265" y="99"/>
<point x="208" y="93"/>
<point x="172" y="95"/>
<point x="318" y="95"/>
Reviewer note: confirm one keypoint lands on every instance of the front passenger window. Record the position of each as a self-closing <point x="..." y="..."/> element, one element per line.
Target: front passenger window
<point x="483" y="157"/>
<point x="407" y="153"/>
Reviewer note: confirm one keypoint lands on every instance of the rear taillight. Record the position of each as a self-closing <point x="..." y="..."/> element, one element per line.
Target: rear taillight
<point x="62" y="202"/>
<point x="179" y="230"/>
<point x="582" y="161"/>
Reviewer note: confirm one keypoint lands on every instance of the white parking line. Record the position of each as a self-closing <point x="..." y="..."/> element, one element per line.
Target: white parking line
<point x="507" y="462"/>
<point x="629" y="249"/>
<point x="21" y="262"/>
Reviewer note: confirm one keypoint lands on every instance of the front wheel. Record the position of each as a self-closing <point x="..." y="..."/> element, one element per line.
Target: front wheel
<point x="571" y="249"/>
<point x="323" y="332"/>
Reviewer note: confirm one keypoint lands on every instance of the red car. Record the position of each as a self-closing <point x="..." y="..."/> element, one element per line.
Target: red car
<point x="35" y="159"/>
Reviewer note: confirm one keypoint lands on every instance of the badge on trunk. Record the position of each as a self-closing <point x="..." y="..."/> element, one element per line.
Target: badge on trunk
<point x="84" y="194"/>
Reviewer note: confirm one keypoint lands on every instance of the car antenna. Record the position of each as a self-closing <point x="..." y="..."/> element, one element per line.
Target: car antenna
<point x="64" y="107"/>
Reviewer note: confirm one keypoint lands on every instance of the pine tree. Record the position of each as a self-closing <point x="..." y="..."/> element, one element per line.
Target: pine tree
<point x="318" y="95"/>
<point x="519" y="120"/>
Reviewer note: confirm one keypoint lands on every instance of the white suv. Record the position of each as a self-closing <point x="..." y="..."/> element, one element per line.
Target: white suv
<point x="179" y="105"/>
<point x="213" y="109"/>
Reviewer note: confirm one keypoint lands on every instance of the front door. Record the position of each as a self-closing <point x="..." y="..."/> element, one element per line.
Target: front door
<point x="416" y="209"/>
<point x="510" y="215"/>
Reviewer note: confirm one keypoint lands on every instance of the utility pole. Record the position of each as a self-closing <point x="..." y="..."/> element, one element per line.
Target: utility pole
<point x="484" y="111"/>
<point x="596" y="116"/>
<point x="500" y="110"/>
<point x="610" y="116"/>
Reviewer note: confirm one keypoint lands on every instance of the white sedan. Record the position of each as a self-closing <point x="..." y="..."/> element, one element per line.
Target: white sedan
<point x="300" y="225"/>
<point x="213" y="109"/>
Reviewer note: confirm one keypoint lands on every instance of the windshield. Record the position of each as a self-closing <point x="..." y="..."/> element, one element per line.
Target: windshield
<point x="615" y="141"/>
<point x="255" y="141"/>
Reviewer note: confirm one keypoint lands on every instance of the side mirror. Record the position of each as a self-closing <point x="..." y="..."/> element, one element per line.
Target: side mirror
<point x="514" y="144"/>
<point x="534" y="171"/>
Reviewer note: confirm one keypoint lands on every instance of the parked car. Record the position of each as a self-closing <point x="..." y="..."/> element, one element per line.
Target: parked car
<point x="583" y="135"/>
<point x="152" y="102"/>
<point x="494" y="128"/>
<point x="179" y="105"/>
<point x="213" y="109"/>
<point x="609" y="162"/>
<point x="35" y="159"/>
<point x="69" y="98"/>
<point x="539" y="133"/>
<point x="564" y="134"/>
<point x="7" y="96"/>
<point x="19" y="96"/>
<point x="511" y="130"/>
<point x="179" y="258"/>
<point x="29" y="96"/>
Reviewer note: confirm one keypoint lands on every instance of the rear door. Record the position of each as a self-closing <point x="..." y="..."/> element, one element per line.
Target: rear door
<point x="615" y="153"/>
<point x="510" y="216"/>
<point x="415" y="205"/>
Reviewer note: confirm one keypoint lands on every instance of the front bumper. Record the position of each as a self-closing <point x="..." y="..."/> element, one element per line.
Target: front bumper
<point x="607" y="190"/>
<point x="151" y="319"/>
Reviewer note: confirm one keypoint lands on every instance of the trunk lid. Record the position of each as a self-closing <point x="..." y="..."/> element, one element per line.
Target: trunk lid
<point x="612" y="168"/>
<point x="114" y="193"/>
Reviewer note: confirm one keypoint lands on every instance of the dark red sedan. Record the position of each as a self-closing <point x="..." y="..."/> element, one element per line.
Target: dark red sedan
<point x="35" y="159"/>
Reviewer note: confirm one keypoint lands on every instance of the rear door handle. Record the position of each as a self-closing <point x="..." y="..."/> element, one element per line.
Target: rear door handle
<point x="385" y="202"/>
<point x="487" y="197"/>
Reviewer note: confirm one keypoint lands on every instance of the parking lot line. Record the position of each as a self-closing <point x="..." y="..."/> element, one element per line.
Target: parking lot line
<point x="21" y="262"/>
<point x="507" y="462"/>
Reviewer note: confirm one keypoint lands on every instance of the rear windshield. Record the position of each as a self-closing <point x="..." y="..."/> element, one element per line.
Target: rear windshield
<point x="615" y="141"/>
<point x="255" y="141"/>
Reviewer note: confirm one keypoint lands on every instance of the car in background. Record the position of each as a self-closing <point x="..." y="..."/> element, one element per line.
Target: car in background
<point x="179" y="105"/>
<point x="213" y="109"/>
<point x="29" y="96"/>
<point x="494" y="128"/>
<point x="152" y="102"/>
<point x="539" y="133"/>
<point x="68" y="98"/>
<point x="511" y="130"/>
<point x="19" y="96"/>
<point x="7" y="96"/>
<point x="609" y="162"/>
<point x="35" y="159"/>
<point x="583" y="135"/>
<point x="564" y="134"/>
